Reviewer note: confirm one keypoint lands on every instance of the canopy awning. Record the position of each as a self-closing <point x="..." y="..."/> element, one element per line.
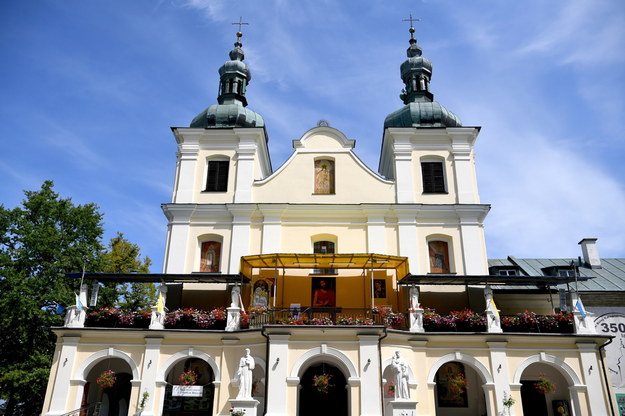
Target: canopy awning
<point x="324" y="261"/>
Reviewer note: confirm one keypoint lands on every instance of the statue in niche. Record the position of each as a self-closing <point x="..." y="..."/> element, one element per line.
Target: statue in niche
<point x="400" y="370"/>
<point x="244" y="374"/>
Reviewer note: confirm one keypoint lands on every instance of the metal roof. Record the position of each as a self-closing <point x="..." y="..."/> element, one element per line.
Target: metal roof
<point x="162" y="277"/>
<point x="609" y="278"/>
<point x="324" y="261"/>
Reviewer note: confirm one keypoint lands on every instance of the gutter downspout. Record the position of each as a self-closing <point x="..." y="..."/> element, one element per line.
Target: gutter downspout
<point x="605" y="374"/>
<point x="381" y="369"/>
<point x="262" y="332"/>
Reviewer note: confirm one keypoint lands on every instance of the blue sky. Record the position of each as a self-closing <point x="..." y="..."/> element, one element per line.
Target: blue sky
<point x="90" y="89"/>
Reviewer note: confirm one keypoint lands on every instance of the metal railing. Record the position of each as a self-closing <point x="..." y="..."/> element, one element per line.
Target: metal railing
<point x="92" y="409"/>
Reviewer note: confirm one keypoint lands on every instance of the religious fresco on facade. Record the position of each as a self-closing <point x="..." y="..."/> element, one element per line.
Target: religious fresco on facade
<point x="324" y="176"/>
<point x="448" y="381"/>
<point x="439" y="257"/>
<point x="261" y="293"/>
<point x="210" y="256"/>
<point x="379" y="288"/>
<point x="323" y="292"/>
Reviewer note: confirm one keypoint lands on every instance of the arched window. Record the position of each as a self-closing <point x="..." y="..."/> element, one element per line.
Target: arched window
<point x="324" y="176"/>
<point x="217" y="175"/>
<point x="451" y="385"/>
<point x="439" y="256"/>
<point x="324" y="247"/>
<point x="210" y="256"/>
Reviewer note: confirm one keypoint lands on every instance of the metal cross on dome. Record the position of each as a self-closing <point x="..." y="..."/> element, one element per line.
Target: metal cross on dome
<point x="240" y="22"/>
<point x="411" y="20"/>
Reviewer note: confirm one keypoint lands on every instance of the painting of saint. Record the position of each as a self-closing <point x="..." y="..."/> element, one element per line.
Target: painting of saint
<point x="379" y="288"/>
<point x="324" y="176"/>
<point x="260" y="294"/>
<point x="323" y="293"/>
<point x="439" y="257"/>
<point x="210" y="254"/>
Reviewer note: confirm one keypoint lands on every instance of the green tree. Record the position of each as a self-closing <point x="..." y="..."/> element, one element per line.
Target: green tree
<point x="122" y="256"/>
<point x="40" y="241"/>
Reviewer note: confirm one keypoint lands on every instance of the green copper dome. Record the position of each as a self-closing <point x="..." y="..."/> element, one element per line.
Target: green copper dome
<point x="231" y="111"/>
<point x="420" y="109"/>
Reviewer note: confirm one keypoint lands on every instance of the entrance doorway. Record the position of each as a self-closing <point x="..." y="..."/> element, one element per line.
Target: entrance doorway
<point x="114" y="399"/>
<point x="189" y="402"/>
<point x="313" y="402"/>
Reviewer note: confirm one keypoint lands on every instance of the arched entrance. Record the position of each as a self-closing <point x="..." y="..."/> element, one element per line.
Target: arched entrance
<point x="313" y="402"/>
<point x="194" y="401"/>
<point x="538" y="402"/>
<point x="458" y="390"/>
<point x="116" y="398"/>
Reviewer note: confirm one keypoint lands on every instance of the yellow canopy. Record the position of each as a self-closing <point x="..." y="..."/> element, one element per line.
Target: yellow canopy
<point x="324" y="261"/>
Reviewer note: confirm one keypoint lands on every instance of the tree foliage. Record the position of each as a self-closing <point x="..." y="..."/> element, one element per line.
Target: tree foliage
<point x="40" y="241"/>
<point x="123" y="256"/>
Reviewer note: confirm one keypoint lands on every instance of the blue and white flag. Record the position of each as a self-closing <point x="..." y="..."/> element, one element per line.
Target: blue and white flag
<point x="59" y="309"/>
<point x="580" y="307"/>
<point x="78" y="303"/>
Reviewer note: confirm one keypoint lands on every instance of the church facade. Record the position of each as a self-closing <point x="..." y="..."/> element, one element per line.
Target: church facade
<point x="326" y="287"/>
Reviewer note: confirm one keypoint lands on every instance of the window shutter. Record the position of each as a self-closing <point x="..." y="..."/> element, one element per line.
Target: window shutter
<point x="433" y="178"/>
<point x="217" y="176"/>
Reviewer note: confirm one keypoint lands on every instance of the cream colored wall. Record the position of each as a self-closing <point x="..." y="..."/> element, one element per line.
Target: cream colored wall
<point x="451" y="197"/>
<point x="200" y="176"/>
<point x="294" y="181"/>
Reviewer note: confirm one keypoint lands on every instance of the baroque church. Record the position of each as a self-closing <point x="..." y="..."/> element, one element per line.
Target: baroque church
<point x="325" y="287"/>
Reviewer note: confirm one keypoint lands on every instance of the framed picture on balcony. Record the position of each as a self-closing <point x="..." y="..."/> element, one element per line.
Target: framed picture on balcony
<point x="323" y="292"/>
<point x="379" y="288"/>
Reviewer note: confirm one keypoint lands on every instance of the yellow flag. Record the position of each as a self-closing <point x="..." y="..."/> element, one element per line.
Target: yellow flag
<point x="495" y="310"/>
<point x="159" y="303"/>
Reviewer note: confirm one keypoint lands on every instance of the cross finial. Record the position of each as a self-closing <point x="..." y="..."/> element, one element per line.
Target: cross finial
<point x="240" y="22"/>
<point x="411" y="30"/>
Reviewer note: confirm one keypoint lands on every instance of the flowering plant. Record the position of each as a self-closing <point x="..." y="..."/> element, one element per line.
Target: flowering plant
<point x="237" y="412"/>
<point x="245" y="319"/>
<point x="196" y="318"/>
<point x="324" y="320"/>
<point x="544" y="385"/>
<point x="188" y="378"/>
<point x="107" y="379"/>
<point x="115" y="317"/>
<point x="390" y="388"/>
<point x="256" y="310"/>
<point x="457" y="384"/>
<point x="351" y="320"/>
<point x="322" y="383"/>
<point x="508" y="401"/>
<point x="292" y="321"/>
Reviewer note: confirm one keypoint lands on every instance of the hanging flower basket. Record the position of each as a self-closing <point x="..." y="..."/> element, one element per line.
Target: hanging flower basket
<point x="188" y="378"/>
<point x="457" y="384"/>
<point x="322" y="383"/>
<point x="544" y="385"/>
<point x="107" y="379"/>
<point x="390" y="389"/>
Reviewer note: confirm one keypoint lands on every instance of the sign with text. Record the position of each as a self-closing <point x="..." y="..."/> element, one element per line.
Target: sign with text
<point x="187" y="391"/>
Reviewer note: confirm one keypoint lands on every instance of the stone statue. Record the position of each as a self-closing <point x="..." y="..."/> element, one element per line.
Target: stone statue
<point x="244" y="374"/>
<point x="236" y="295"/>
<point x="414" y="298"/>
<point x="400" y="370"/>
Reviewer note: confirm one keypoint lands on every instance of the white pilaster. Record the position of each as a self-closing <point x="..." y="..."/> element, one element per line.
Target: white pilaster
<point x="407" y="227"/>
<point x="376" y="235"/>
<point x="404" y="177"/>
<point x="462" y="140"/>
<point x="246" y="152"/>
<point x="240" y="242"/>
<point x="60" y="392"/>
<point x="185" y="177"/>
<point x="272" y="225"/>
<point x="473" y="245"/>
<point x="591" y="371"/>
<point x="499" y="370"/>
<point x="370" y="391"/>
<point x="148" y="373"/>
<point x="277" y="366"/>
<point x="179" y="217"/>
